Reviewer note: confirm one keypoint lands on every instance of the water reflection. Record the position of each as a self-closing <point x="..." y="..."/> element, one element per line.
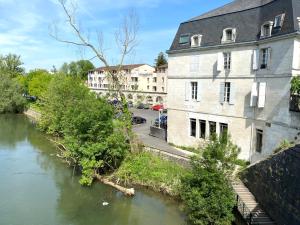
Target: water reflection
<point x="39" y="189"/>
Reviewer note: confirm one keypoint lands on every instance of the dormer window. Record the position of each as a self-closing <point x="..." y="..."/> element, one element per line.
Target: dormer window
<point x="266" y="29"/>
<point x="279" y="20"/>
<point x="184" y="39"/>
<point x="196" y="40"/>
<point x="229" y="35"/>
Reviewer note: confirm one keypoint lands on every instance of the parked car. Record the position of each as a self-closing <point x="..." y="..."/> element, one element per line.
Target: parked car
<point x="163" y="121"/>
<point x="130" y="104"/>
<point x="142" y="106"/>
<point x="157" y="107"/>
<point x="138" y="120"/>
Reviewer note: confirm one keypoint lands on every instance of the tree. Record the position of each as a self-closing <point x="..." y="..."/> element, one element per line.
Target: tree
<point x="93" y="139"/>
<point x="126" y="41"/>
<point x="11" y="99"/>
<point x="161" y="60"/>
<point x="11" y="65"/>
<point x="206" y="191"/>
<point x="78" y="69"/>
<point x="37" y="82"/>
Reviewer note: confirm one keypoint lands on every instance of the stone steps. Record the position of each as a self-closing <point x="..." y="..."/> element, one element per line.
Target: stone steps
<point x="259" y="216"/>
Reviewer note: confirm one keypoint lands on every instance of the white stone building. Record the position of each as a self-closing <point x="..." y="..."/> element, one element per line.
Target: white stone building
<point x="231" y="69"/>
<point x="141" y="83"/>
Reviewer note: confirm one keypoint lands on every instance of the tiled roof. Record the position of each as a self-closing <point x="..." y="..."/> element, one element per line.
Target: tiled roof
<point x="124" y="67"/>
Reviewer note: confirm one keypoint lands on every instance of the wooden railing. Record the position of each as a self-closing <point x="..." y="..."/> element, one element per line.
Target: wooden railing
<point x="295" y="103"/>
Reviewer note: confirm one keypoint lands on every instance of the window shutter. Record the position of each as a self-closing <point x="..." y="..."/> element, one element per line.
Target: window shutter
<point x="220" y="63"/>
<point x="194" y="64"/>
<point x="262" y="95"/>
<point x="234" y="34"/>
<point x="255" y="59"/>
<point x="222" y="89"/>
<point x="198" y="92"/>
<point x="232" y="94"/>
<point x="187" y="91"/>
<point x="269" y="58"/>
<point x="254" y="95"/>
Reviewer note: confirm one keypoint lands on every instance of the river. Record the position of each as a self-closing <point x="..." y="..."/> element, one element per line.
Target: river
<point x="37" y="188"/>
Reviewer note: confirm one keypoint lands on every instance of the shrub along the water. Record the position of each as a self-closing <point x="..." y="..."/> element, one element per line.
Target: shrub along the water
<point x="152" y="171"/>
<point x="206" y="191"/>
<point x="93" y="138"/>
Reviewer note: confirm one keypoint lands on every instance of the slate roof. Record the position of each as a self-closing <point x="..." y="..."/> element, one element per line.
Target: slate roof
<point x="246" y="16"/>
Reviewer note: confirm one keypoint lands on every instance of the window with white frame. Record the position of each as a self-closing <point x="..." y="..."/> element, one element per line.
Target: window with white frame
<point x="229" y="35"/>
<point x="193" y="127"/>
<point x="278" y="22"/>
<point x="264" y="58"/>
<point x="194" y="90"/>
<point x="184" y="39"/>
<point x="223" y="128"/>
<point x="212" y="128"/>
<point x="196" y="40"/>
<point x="227" y="92"/>
<point x="202" y="126"/>
<point x="227" y="60"/>
<point x="266" y="29"/>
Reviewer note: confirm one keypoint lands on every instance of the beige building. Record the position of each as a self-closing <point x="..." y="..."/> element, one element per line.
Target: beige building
<point x="230" y="70"/>
<point x="141" y="83"/>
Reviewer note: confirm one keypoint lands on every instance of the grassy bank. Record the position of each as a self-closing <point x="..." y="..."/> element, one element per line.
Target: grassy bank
<point x="151" y="171"/>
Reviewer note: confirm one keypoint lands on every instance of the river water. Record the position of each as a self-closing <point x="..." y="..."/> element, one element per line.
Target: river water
<point x="37" y="188"/>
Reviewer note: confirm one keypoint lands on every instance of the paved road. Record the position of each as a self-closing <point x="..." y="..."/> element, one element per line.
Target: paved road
<point x="143" y="131"/>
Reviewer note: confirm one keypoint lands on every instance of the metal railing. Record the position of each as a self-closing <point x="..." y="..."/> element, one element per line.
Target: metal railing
<point x="295" y="103"/>
<point x="244" y="210"/>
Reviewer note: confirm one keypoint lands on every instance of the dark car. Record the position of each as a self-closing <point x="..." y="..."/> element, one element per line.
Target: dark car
<point x="163" y="121"/>
<point x="142" y="106"/>
<point x="138" y="120"/>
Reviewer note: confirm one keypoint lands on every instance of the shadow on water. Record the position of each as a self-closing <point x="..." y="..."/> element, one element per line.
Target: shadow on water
<point x="40" y="189"/>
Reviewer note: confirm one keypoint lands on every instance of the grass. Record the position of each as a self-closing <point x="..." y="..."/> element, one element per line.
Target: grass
<point x="151" y="171"/>
<point x="189" y="149"/>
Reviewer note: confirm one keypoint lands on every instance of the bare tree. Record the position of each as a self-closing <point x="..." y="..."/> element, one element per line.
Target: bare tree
<point x="125" y="37"/>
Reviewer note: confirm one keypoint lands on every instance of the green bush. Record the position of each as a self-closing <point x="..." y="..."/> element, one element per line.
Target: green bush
<point x="95" y="141"/>
<point x="295" y="85"/>
<point x="152" y="171"/>
<point x="206" y="191"/>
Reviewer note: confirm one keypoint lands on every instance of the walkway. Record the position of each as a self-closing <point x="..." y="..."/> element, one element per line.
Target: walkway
<point x="249" y="208"/>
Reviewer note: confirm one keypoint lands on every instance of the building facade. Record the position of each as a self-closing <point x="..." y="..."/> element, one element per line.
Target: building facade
<point x="230" y="70"/>
<point x="141" y="83"/>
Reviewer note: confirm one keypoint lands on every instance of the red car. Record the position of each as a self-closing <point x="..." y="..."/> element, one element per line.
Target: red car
<point x="157" y="107"/>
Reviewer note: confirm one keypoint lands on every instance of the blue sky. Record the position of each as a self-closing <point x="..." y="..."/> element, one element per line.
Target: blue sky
<point x="24" y="28"/>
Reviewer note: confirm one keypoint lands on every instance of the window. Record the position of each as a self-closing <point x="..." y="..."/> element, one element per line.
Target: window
<point x="212" y="128"/>
<point x="229" y="35"/>
<point x="227" y="60"/>
<point x="148" y="80"/>
<point x="134" y="79"/>
<point x="279" y="20"/>
<point x="154" y="79"/>
<point x="154" y="88"/>
<point x="266" y="29"/>
<point x="259" y="140"/>
<point x="196" y="40"/>
<point x="223" y="129"/>
<point x="264" y="53"/>
<point x="194" y="88"/>
<point x="162" y="89"/>
<point x="163" y="79"/>
<point x="227" y="92"/>
<point x="148" y="87"/>
<point x="193" y="127"/>
<point x="202" y="128"/>
<point x="184" y="39"/>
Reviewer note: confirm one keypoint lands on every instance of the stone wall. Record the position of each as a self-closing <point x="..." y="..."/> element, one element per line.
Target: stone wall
<point x="275" y="182"/>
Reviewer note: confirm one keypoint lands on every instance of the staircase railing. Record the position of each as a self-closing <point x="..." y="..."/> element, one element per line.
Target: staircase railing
<point x="244" y="210"/>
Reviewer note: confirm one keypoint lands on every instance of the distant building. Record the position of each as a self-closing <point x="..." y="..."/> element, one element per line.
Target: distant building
<point x="141" y="82"/>
<point x="230" y="70"/>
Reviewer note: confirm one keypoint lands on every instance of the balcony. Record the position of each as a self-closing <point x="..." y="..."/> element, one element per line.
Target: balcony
<point x="295" y="103"/>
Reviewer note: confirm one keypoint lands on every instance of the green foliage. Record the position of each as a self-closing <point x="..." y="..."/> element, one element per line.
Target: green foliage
<point x="285" y="144"/>
<point x="11" y="99"/>
<point x="295" y="85"/>
<point x="186" y="148"/>
<point x="37" y="82"/>
<point x="152" y="171"/>
<point x="206" y="191"/>
<point x="93" y="138"/>
<point x="77" y="69"/>
<point x="10" y="65"/>
<point x="161" y="60"/>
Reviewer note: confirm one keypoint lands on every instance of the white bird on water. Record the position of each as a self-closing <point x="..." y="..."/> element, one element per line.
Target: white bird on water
<point x="105" y="203"/>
